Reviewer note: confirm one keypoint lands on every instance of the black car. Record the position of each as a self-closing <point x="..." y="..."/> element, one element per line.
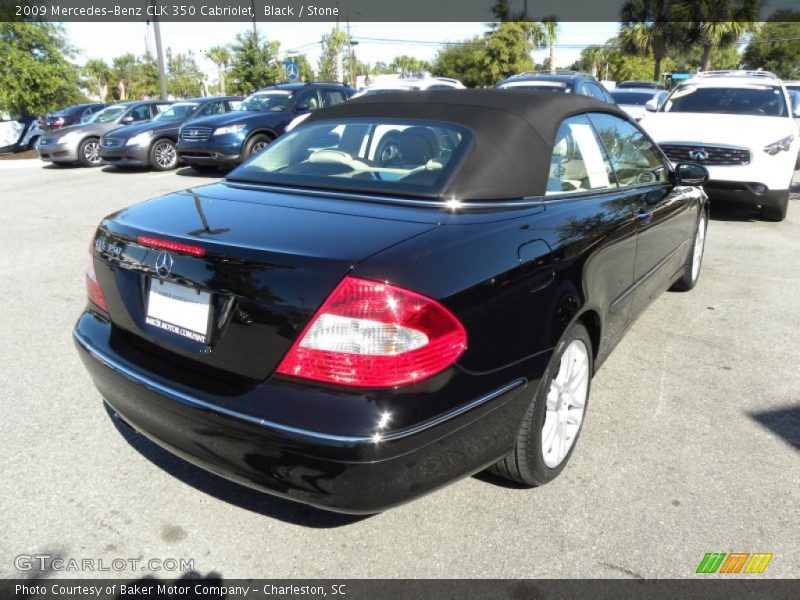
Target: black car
<point x="152" y="143"/>
<point x="227" y="140"/>
<point x="72" y="115"/>
<point x="570" y="82"/>
<point x="352" y="330"/>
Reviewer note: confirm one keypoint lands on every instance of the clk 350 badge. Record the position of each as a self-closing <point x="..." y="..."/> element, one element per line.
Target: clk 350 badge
<point x="105" y="248"/>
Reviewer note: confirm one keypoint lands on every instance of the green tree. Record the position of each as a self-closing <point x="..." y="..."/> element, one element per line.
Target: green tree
<point x="508" y="50"/>
<point x="254" y="63"/>
<point x="36" y="74"/>
<point x="136" y="77"/>
<point x="776" y="46"/>
<point x="462" y="61"/>
<point x="221" y="57"/>
<point x="593" y="59"/>
<point x="184" y="78"/>
<point x="331" y="67"/>
<point x="98" y="77"/>
<point x="650" y="27"/>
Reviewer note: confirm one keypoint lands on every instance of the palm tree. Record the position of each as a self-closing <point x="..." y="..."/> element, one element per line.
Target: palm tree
<point x="550" y="25"/>
<point x="220" y="56"/>
<point x="650" y="26"/>
<point x="719" y="23"/>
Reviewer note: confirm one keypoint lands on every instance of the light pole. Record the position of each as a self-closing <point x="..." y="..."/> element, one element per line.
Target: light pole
<point x="162" y="78"/>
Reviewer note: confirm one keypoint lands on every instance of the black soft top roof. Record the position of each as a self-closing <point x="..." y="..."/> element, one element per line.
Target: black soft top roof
<point x="514" y="132"/>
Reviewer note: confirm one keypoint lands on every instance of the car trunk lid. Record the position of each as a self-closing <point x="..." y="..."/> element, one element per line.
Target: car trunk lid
<point x="266" y="265"/>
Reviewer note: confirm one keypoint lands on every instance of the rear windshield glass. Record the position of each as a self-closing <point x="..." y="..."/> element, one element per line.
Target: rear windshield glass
<point x="763" y="100"/>
<point x="539" y="86"/>
<point x="632" y="98"/>
<point x="369" y="155"/>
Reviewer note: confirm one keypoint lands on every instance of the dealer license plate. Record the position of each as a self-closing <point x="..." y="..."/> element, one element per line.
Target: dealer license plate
<point x="179" y="309"/>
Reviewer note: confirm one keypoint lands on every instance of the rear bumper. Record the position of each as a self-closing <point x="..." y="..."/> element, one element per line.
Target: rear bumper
<point x="133" y="156"/>
<point x="360" y="473"/>
<point x="752" y="193"/>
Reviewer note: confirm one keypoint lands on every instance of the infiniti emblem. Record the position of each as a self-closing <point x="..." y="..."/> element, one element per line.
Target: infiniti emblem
<point x="163" y="264"/>
<point x="698" y="154"/>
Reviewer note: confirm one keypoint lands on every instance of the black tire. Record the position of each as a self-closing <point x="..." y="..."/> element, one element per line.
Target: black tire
<point x="255" y="145"/>
<point x="775" y="212"/>
<point x="525" y="465"/>
<point x="89" y="152"/>
<point x="163" y="155"/>
<point x="204" y="168"/>
<point x="689" y="278"/>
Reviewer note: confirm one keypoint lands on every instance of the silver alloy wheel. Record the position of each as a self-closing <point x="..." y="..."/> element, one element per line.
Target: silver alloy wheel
<point x="566" y="403"/>
<point x="91" y="152"/>
<point x="699" y="246"/>
<point x="166" y="155"/>
<point x="258" y="147"/>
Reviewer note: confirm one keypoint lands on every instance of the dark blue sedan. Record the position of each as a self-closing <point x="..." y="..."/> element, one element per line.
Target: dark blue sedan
<point x="227" y="140"/>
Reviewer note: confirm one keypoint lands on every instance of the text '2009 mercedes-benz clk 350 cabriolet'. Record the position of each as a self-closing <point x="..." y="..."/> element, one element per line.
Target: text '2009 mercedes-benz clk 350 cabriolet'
<point x="404" y="290"/>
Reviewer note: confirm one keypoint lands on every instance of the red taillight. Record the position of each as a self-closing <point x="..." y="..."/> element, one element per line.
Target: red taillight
<point x="178" y="247"/>
<point x="372" y="334"/>
<point x="92" y="285"/>
<point x="58" y="122"/>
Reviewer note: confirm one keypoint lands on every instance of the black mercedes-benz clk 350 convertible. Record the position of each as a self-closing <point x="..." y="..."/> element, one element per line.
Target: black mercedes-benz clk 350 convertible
<point x="404" y="290"/>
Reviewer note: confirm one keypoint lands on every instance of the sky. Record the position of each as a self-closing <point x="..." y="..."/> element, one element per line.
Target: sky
<point x="386" y="40"/>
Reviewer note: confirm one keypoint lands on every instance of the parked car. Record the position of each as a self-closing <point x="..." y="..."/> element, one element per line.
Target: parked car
<point x="72" y="115"/>
<point x="18" y="133"/>
<point x="352" y="334"/>
<point x="411" y="85"/>
<point x="226" y="140"/>
<point x="153" y="143"/>
<point x="81" y="143"/>
<point x="569" y="82"/>
<point x="640" y="85"/>
<point x="739" y="125"/>
<point x="633" y="100"/>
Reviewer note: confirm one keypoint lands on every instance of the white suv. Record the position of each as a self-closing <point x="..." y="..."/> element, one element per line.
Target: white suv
<point x="740" y="126"/>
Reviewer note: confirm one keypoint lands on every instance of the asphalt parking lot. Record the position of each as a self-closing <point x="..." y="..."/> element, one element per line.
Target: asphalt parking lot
<point x="691" y="444"/>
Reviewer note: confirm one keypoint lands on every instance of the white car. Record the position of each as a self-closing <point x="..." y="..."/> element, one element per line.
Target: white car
<point x="412" y="85"/>
<point x="633" y="100"/>
<point x="740" y="126"/>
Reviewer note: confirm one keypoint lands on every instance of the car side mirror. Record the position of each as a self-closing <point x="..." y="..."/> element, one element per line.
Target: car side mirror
<point x="302" y="108"/>
<point x="690" y="174"/>
<point x="651" y="105"/>
<point x="127" y="120"/>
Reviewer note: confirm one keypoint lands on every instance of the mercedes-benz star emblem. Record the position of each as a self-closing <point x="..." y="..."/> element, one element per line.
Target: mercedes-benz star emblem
<point x="164" y="264"/>
<point x="698" y="154"/>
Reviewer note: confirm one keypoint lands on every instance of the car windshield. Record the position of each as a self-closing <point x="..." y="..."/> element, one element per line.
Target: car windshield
<point x="761" y="100"/>
<point x="274" y="101"/>
<point x="112" y="113"/>
<point x="367" y="155"/>
<point x="176" y="112"/>
<point x="633" y="98"/>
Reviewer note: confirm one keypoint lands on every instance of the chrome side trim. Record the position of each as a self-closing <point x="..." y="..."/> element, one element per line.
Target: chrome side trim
<point x="440" y="204"/>
<point x="377" y="437"/>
